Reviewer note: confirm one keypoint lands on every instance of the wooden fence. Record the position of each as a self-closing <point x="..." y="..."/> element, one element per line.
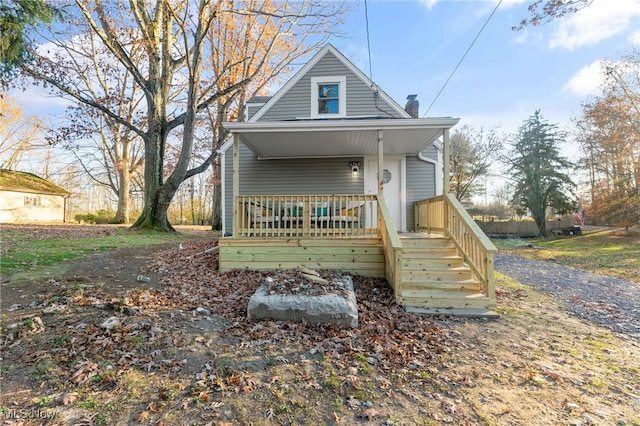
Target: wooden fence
<point x="520" y="228"/>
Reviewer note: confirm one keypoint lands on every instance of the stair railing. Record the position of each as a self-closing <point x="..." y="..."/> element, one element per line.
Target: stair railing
<point x="391" y="245"/>
<point x="445" y="214"/>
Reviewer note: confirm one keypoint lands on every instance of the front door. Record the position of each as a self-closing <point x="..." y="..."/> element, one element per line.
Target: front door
<point x="393" y="188"/>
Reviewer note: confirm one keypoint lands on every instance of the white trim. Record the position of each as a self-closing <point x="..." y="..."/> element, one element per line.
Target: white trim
<point x="225" y="146"/>
<point x="342" y="95"/>
<point x="223" y="181"/>
<point x="337" y="125"/>
<point x="248" y="105"/>
<point x="439" y="172"/>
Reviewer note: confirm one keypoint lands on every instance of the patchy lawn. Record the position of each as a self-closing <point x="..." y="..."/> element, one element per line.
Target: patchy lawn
<point x="96" y="346"/>
<point x="614" y="253"/>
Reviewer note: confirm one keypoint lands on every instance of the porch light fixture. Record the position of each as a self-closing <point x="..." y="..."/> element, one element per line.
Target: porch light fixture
<point x="355" y="167"/>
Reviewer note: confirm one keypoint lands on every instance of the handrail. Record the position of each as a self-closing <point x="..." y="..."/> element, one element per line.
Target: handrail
<point x="444" y="213"/>
<point x="391" y="245"/>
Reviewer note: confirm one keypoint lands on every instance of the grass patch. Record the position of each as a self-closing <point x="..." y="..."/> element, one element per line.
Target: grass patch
<point x="25" y="257"/>
<point x="612" y="253"/>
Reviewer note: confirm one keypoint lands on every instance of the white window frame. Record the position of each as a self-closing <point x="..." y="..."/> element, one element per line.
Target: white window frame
<point x="342" y="95"/>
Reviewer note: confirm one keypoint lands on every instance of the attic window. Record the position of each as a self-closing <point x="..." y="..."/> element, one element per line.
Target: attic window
<point x="328" y="97"/>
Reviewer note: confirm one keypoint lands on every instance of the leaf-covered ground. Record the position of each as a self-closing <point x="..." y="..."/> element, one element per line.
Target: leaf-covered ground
<point x="178" y="350"/>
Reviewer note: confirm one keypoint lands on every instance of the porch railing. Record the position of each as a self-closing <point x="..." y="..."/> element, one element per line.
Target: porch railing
<point x="445" y="214"/>
<point x="339" y="216"/>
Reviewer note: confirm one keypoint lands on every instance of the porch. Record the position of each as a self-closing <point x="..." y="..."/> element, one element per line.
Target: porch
<point x="445" y="266"/>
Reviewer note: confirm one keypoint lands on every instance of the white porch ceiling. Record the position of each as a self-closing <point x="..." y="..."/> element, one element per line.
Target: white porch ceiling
<point x="336" y="138"/>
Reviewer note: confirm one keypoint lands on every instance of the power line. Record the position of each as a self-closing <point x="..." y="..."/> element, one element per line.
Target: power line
<point x="366" y="18"/>
<point x="461" y="59"/>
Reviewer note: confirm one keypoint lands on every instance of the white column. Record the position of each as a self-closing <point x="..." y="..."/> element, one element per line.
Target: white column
<point x="380" y="161"/>
<point x="236" y="182"/>
<point x="446" y="149"/>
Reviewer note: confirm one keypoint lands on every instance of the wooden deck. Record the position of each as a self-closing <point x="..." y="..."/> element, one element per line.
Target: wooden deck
<point x="439" y="270"/>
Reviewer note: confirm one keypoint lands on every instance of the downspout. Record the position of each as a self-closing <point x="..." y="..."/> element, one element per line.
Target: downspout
<point x="439" y="174"/>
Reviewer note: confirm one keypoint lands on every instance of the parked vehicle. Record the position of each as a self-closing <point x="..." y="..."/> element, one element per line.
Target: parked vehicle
<point x="569" y="230"/>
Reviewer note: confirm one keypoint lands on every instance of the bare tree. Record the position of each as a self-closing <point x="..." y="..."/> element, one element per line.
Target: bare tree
<point x="177" y="77"/>
<point x="608" y="133"/>
<point x="107" y="150"/>
<point x="472" y="154"/>
<point x="543" y="11"/>
<point x="18" y="135"/>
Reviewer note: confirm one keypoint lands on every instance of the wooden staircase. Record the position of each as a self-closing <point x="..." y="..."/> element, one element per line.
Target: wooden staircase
<point x="435" y="279"/>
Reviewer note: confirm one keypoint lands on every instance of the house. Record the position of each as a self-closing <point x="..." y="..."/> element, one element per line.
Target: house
<point x="331" y="173"/>
<point x="25" y="197"/>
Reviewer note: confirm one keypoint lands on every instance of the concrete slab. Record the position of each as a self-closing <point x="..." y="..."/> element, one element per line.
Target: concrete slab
<point x="335" y="308"/>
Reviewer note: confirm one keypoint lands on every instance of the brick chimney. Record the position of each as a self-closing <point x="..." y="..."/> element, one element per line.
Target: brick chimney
<point x="412" y="106"/>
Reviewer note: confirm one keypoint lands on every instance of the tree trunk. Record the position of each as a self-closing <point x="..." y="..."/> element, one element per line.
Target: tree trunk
<point x="216" y="208"/>
<point x="124" y="199"/>
<point x="156" y="204"/>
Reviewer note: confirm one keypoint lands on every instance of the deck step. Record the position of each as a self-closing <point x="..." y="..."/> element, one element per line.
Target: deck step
<point x="421" y="286"/>
<point x="431" y="262"/>
<point x="473" y="313"/>
<point x="435" y="280"/>
<point x="447" y="300"/>
<point x="430" y="274"/>
<point x="429" y="251"/>
<point x="427" y="242"/>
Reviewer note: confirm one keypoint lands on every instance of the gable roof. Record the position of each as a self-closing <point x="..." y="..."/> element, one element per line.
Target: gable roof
<point x="11" y="180"/>
<point x="328" y="49"/>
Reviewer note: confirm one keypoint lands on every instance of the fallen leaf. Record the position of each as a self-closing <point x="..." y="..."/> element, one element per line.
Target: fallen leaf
<point x="143" y="417"/>
<point x="369" y="414"/>
<point x="69" y="398"/>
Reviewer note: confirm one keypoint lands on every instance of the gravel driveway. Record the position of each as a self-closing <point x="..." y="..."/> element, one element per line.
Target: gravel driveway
<point x="610" y="302"/>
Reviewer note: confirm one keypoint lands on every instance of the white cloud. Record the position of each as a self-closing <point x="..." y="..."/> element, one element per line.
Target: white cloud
<point x="587" y="81"/>
<point x="508" y="3"/>
<point x="598" y="21"/>
<point x="429" y="3"/>
<point x="635" y="37"/>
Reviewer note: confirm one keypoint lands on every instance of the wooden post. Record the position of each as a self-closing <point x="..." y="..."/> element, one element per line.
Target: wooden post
<point x="380" y="161"/>
<point x="236" y="183"/>
<point x="446" y="149"/>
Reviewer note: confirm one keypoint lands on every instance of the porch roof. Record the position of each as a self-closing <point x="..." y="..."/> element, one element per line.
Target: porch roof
<point x="336" y="138"/>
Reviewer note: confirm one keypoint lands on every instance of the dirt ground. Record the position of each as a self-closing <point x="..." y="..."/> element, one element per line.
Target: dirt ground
<point x="96" y="346"/>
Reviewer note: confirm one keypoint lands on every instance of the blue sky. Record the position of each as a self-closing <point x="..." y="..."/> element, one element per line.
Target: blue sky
<point x="507" y="75"/>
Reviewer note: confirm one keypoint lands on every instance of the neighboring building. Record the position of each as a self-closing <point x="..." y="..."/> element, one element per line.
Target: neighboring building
<point x="25" y="198"/>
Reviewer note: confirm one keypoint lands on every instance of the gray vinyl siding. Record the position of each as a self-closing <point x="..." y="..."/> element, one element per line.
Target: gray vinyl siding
<point x="431" y="152"/>
<point x="306" y="176"/>
<point x="296" y="102"/>
<point x="252" y="109"/>
<point x="420" y="184"/>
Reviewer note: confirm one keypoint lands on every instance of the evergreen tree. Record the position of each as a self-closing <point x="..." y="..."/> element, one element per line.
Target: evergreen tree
<point x="15" y="17"/>
<point x="539" y="171"/>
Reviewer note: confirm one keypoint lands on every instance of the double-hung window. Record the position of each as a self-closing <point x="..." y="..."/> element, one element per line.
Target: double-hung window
<point x="32" y="201"/>
<point x="328" y="97"/>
